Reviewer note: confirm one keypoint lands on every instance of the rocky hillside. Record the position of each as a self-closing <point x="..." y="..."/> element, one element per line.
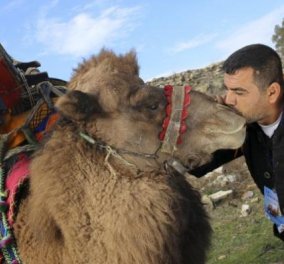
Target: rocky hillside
<point x="208" y="79"/>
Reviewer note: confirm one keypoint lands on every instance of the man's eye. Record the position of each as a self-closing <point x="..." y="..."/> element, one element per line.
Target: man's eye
<point x="239" y="93"/>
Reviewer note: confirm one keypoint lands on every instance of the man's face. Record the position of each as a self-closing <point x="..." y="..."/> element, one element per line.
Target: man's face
<point x="244" y="95"/>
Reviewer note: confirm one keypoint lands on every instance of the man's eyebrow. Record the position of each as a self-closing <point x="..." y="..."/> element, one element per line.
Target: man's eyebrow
<point x="235" y="88"/>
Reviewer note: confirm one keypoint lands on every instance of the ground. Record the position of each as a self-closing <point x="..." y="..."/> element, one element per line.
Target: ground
<point x="238" y="239"/>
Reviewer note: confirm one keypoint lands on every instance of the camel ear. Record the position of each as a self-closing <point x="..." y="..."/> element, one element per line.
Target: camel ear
<point x="78" y="106"/>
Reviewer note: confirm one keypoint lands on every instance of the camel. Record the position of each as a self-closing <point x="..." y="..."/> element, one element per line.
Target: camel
<point x="101" y="188"/>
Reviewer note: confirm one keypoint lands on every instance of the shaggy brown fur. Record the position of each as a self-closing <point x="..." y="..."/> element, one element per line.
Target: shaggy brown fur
<point x="102" y="203"/>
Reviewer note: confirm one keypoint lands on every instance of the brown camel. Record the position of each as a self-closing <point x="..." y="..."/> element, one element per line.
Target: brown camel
<point x="101" y="191"/>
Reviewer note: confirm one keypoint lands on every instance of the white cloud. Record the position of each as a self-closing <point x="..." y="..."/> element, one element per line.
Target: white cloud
<point x="257" y="31"/>
<point x="85" y="33"/>
<point x="192" y="43"/>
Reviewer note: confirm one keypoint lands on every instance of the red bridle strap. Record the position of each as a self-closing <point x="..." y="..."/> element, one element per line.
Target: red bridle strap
<point x="174" y="125"/>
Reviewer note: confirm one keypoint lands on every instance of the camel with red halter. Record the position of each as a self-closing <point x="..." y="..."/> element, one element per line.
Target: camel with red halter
<point x="101" y="187"/>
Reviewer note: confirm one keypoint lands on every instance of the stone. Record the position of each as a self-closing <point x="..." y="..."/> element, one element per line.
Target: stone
<point x="221" y="195"/>
<point x="209" y="205"/>
<point x="255" y="200"/>
<point x="222" y="257"/>
<point x="246" y="210"/>
<point x="247" y="195"/>
<point x="219" y="170"/>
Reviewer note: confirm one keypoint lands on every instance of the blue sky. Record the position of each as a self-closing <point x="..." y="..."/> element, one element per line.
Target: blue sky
<point x="168" y="36"/>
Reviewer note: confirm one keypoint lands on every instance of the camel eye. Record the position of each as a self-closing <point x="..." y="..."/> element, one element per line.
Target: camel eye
<point x="154" y="106"/>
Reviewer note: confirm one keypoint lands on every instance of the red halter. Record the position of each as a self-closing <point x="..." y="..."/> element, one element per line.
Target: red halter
<point x="176" y="113"/>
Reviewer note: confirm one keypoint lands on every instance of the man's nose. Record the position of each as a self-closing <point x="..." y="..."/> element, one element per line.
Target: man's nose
<point x="230" y="98"/>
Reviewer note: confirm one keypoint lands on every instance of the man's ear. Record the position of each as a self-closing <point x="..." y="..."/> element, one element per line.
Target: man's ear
<point x="78" y="106"/>
<point x="273" y="92"/>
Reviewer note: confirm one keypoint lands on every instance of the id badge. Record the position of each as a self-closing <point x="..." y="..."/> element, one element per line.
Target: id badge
<point x="272" y="209"/>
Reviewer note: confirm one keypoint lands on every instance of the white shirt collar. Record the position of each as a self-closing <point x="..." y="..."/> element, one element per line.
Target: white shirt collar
<point x="269" y="129"/>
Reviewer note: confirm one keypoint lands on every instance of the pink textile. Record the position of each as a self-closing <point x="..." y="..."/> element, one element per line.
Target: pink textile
<point x="17" y="175"/>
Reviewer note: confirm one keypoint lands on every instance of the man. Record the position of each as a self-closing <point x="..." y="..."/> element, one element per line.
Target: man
<point x="253" y="79"/>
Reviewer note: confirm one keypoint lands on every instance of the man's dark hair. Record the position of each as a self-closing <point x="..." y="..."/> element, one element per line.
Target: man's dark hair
<point x="264" y="60"/>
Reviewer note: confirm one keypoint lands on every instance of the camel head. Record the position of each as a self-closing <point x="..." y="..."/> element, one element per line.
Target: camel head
<point x="110" y="103"/>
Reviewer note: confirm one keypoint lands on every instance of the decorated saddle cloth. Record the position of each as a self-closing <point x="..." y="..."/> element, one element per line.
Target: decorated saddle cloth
<point x="27" y="112"/>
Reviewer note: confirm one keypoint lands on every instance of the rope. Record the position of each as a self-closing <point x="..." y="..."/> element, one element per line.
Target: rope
<point x="18" y="150"/>
<point x="112" y="152"/>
